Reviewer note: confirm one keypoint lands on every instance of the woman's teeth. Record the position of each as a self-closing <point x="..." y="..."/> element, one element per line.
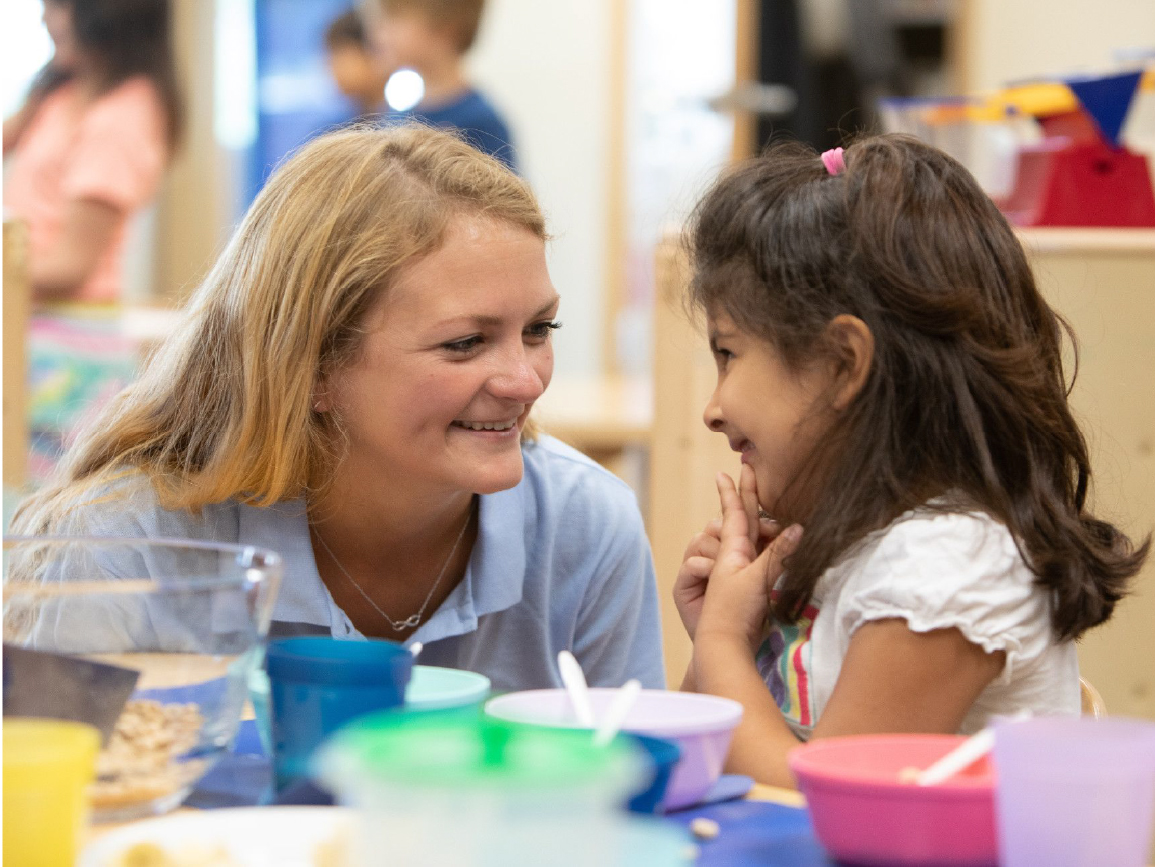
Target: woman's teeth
<point x="486" y="425"/>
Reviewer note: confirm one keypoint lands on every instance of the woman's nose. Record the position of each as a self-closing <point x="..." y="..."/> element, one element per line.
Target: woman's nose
<point x="518" y="379"/>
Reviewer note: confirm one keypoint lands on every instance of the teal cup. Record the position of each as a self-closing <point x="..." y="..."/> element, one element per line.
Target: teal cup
<point x="318" y="684"/>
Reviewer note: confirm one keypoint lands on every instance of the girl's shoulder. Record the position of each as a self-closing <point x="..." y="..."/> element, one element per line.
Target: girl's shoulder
<point x="938" y="568"/>
<point x="939" y="535"/>
<point x="935" y="558"/>
<point x="131" y="94"/>
<point x="134" y="105"/>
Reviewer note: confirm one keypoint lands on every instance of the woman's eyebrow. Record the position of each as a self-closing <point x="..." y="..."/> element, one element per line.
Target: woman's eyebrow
<point x="491" y="321"/>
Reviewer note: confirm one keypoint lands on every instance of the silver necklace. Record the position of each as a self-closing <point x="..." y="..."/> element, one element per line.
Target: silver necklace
<point x="412" y="620"/>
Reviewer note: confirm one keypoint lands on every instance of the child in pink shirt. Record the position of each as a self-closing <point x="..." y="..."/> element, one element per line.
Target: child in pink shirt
<point x="112" y="151"/>
<point x="88" y="151"/>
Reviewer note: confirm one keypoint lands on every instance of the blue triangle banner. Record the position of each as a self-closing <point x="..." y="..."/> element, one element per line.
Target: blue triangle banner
<point x="1107" y="99"/>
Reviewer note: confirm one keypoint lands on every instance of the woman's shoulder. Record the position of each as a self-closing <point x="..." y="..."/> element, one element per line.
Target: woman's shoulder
<point x="128" y="505"/>
<point x="563" y="478"/>
<point x="547" y="456"/>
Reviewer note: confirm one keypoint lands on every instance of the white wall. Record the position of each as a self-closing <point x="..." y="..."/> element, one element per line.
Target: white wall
<point x="1015" y="39"/>
<point x="545" y="64"/>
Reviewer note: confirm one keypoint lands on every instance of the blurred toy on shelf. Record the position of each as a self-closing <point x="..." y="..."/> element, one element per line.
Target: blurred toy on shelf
<point x="1081" y="173"/>
<point x="1050" y="152"/>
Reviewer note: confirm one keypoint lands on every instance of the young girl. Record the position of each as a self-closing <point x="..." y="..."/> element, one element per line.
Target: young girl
<point x="352" y="388"/>
<point x="87" y="151"/>
<point x="907" y="548"/>
<point x="90" y="144"/>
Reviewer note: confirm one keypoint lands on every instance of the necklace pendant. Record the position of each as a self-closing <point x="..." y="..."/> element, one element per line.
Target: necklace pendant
<point x="413" y="620"/>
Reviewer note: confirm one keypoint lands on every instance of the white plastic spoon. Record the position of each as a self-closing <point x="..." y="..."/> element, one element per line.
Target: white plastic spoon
<point x="962" y="756"/>
<point x="576" y="687"/>
<point x="616" y="713"/>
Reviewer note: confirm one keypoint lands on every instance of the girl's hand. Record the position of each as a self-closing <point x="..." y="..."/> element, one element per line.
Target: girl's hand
<point x="737" y="590"/>
<point x="698" y="561"/>
<point x="697" y="564"/>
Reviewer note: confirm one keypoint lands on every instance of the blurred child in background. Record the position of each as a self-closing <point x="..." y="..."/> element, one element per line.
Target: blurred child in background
<point x="357" y="70"/>
<point x="432" y="37"/>
<point x="87" y="152"/>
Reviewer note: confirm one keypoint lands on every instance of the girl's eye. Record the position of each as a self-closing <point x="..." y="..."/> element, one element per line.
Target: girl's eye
<point x="467" y="344"/>
<point x="541" y="330"/>
<point x="721" y="355"/>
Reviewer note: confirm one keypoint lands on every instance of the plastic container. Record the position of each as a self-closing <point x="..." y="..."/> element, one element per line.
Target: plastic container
<point x="504" y="793"/>
<point x="701" y="726"/>
<point x="318" y="684"/>
<point x="865" y="813"/>
<point x="430" y="688"/>
<point x="48" y="766"/>
<point x="661" y="758"/>
<point x="436" y="688"/>
<point x="184" y="621"/>
<point x="1075" y="790"/>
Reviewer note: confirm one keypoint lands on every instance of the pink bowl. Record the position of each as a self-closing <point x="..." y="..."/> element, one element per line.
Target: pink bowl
<point x="863" y="813"/>
<point x="701" y="725"/>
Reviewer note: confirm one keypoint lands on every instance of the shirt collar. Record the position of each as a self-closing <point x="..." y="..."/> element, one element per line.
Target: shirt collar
<point x="493" y="580"/>
<point x="284" y="528"/>
<point x="495" y="575"/>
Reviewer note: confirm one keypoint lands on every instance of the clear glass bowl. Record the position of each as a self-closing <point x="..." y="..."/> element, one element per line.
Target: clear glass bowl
<point x="189" y="617"/>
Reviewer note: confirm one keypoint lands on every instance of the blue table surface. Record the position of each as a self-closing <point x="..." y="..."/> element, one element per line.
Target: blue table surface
<point x="751" y="832"/>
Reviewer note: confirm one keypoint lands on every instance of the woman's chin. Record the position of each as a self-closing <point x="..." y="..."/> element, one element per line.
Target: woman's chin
<point x="495" y="476"/>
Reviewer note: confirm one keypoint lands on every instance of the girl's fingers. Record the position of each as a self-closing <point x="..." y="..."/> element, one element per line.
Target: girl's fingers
<point x="702" y="545"/>
<point x="714" y="528"/>
<point x="734" y="550"/>
<point x="768" y="530"/>
<point x="770" y="560"/>
<point x="748" y="491"/>
<point x="698" y="567"/>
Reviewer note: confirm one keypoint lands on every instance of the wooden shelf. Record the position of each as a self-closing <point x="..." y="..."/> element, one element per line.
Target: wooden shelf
<point x="1061" y="239"/>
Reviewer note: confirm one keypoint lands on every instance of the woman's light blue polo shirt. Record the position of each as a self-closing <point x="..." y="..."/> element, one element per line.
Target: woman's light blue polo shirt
<point x="561" y="562"/>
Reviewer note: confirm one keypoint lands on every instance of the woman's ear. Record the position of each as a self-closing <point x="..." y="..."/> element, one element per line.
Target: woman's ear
<point x="851" y="343"/>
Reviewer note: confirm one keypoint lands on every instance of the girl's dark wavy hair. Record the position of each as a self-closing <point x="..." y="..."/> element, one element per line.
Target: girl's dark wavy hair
<point x="128" y="37"/>
<point x="966" y="392"/>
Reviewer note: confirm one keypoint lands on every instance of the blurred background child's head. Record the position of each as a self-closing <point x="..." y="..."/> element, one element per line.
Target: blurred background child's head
<point x="359" y="72"/>
<point x="420" y="34"/>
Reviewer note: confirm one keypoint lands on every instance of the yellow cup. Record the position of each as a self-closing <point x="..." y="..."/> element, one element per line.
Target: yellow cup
<point x="48" y="766"/>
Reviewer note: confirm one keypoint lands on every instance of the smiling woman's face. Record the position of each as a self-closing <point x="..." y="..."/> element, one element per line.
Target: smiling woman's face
<point x="451" y="363"/>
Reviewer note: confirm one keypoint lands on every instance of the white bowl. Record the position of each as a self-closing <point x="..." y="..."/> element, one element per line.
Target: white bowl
<point x="701" y="725"/>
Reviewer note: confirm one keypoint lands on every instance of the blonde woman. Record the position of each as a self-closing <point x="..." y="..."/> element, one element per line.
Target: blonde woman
<point x="352" y="388"/>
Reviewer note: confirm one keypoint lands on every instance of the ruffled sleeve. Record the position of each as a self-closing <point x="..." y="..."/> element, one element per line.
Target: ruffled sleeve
<point x="938" y="571"/>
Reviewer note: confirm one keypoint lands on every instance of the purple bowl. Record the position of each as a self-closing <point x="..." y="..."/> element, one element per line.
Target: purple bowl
<point x="701" y="725"/>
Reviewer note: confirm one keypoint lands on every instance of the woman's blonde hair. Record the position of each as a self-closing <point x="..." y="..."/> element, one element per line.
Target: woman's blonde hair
<point x="224" y="410"/>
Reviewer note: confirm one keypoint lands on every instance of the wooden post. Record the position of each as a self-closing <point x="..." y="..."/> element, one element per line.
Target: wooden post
<point x="17" y="308"/>
<point x="685" y="456"/>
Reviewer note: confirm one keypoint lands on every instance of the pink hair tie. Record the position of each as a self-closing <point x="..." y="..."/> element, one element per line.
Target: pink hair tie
<point x="833" y="161"/>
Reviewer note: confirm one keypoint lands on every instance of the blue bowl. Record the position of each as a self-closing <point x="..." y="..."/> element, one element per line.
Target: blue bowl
<point x="662" y="755"/>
